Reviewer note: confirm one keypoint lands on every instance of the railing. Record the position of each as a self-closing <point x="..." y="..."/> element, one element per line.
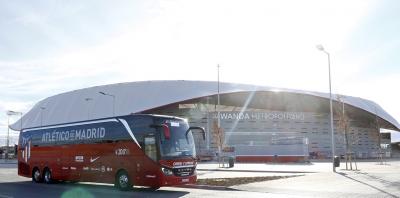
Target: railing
<point x="226" y="156"/>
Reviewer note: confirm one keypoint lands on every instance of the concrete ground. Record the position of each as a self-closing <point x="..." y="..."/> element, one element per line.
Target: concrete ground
<point x="212" y="170"/>
<point x="5" y="163"/>
<point x="372" y="179"/>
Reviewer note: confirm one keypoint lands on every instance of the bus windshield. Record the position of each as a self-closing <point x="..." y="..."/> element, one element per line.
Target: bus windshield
<point x="179" y="144"/>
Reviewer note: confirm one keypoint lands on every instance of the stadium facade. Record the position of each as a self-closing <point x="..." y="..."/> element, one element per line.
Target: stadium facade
<point x="261" y="123"/>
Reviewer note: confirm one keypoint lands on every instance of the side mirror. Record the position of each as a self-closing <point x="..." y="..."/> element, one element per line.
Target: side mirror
<point x="197" y="128"/>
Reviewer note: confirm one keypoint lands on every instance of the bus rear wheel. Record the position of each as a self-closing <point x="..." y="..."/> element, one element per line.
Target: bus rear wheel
<point x="122" y="181"/>
<point x="47" y="177"/>
<point x="36" y="177"/>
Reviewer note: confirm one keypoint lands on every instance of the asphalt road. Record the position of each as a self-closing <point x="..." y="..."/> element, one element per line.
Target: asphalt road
<point x="14" y="186"/>
<point x="29" y="189"/>
<point x="371" y="180"/>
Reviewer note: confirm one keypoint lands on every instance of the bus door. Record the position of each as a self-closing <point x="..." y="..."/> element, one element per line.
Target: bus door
<point x="149" y="168"/>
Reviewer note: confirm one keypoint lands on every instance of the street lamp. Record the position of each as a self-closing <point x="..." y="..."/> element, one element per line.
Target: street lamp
<point x="321" y="48"/>
<point x="219" y="119"/>
<point x="113" y="96"/>
<point x="11" y="113"/>
<point x="87" y="100"/>
<point x="218" y="112"/>
<point x="41" y="115"/>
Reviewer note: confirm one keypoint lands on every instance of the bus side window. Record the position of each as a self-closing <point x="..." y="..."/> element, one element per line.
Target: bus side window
<point x="150" y="147"/>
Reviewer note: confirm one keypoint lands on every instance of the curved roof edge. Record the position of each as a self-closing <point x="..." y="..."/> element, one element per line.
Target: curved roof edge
<point x="132" y="97"/>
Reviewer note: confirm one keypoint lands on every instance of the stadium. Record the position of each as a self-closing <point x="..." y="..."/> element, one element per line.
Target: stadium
<point x="261" y="123"/>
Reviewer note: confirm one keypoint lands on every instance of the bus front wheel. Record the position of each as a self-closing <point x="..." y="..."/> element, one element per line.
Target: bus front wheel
<point x="122" y="181"/>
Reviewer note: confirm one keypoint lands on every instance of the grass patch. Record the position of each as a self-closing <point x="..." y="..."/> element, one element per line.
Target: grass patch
<point x="238" y="180"/>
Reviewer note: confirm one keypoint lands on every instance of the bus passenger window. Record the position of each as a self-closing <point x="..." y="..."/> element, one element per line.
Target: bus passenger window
<point x="150" y="147"/>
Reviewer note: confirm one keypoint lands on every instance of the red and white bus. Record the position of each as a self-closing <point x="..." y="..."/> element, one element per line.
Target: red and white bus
<point x="142" y="150"/>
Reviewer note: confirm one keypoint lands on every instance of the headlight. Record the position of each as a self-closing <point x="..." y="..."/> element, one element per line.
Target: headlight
<point x="167" y="171"/>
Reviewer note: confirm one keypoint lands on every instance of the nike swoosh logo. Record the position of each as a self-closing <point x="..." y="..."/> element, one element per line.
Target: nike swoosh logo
<point x="93" y="159"/>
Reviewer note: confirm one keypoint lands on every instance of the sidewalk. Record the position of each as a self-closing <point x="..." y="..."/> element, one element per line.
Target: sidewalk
<point x="267" y="167"/>
<point x="371" y="180"/>
<point x="8" y="161"/>
<point x="212" y="170"/>
<point x="313" y="167"/>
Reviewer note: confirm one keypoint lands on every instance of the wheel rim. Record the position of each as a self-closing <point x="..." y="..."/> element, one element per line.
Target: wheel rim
<point x="47" y="176"/>
<point x="123" y="181"/>
<point x="36" y="175"/>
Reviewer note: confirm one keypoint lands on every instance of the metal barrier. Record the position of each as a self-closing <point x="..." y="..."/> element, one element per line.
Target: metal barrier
<point x="226" y="159"/>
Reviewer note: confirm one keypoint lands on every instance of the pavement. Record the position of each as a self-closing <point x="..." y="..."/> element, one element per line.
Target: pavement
<point x="212" y="170"/>
<point x="371" y="179"/>
<point x="316" y="179"/>
<point x="8" y="161"/>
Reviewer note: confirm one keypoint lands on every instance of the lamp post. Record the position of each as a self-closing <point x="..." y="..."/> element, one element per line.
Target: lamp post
<point x="208" y="123"/>
<point x="8" y="135"/>
<point x="87" y="100"/>
<point x="41" y="115"/>
<point x="11" y="113"/>
<point x="219" y="116"/>
<point x="321" y="48"/>
<point x="113" y="96"/>
<point x="218" y="102"/>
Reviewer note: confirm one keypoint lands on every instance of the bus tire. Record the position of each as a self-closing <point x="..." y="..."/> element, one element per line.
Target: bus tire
<point x="122" y="181"/>
<point x="36" y="176"/>
<point x="47" y="176"/>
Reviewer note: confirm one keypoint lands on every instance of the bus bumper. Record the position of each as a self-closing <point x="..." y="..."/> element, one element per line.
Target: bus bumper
<point x="178" y="181"/>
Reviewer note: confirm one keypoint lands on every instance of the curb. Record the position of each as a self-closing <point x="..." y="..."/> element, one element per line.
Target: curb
<point x="207" y="187"/>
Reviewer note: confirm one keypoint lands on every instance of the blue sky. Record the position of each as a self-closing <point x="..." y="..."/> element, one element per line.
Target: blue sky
<point x="49" y="47"/>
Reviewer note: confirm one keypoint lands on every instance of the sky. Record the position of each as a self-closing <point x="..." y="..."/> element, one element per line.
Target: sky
<point x="49" y="47"/>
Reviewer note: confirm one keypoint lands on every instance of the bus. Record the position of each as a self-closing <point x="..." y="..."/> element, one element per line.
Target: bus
<point x="137" y="149"/>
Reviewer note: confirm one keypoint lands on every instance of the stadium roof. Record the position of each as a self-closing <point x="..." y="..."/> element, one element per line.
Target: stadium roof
<point x="132" y="97"/>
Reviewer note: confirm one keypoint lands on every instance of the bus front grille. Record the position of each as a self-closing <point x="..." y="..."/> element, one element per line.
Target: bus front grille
<point x="183" y="172"/>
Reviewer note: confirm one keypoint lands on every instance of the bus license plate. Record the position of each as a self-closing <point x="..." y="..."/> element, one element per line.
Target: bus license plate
<point x="185" y="180"/>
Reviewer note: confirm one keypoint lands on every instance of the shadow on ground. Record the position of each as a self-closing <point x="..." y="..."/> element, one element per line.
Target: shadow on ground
<point x="369" y="185"/>
<point x="69" y="190"/>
